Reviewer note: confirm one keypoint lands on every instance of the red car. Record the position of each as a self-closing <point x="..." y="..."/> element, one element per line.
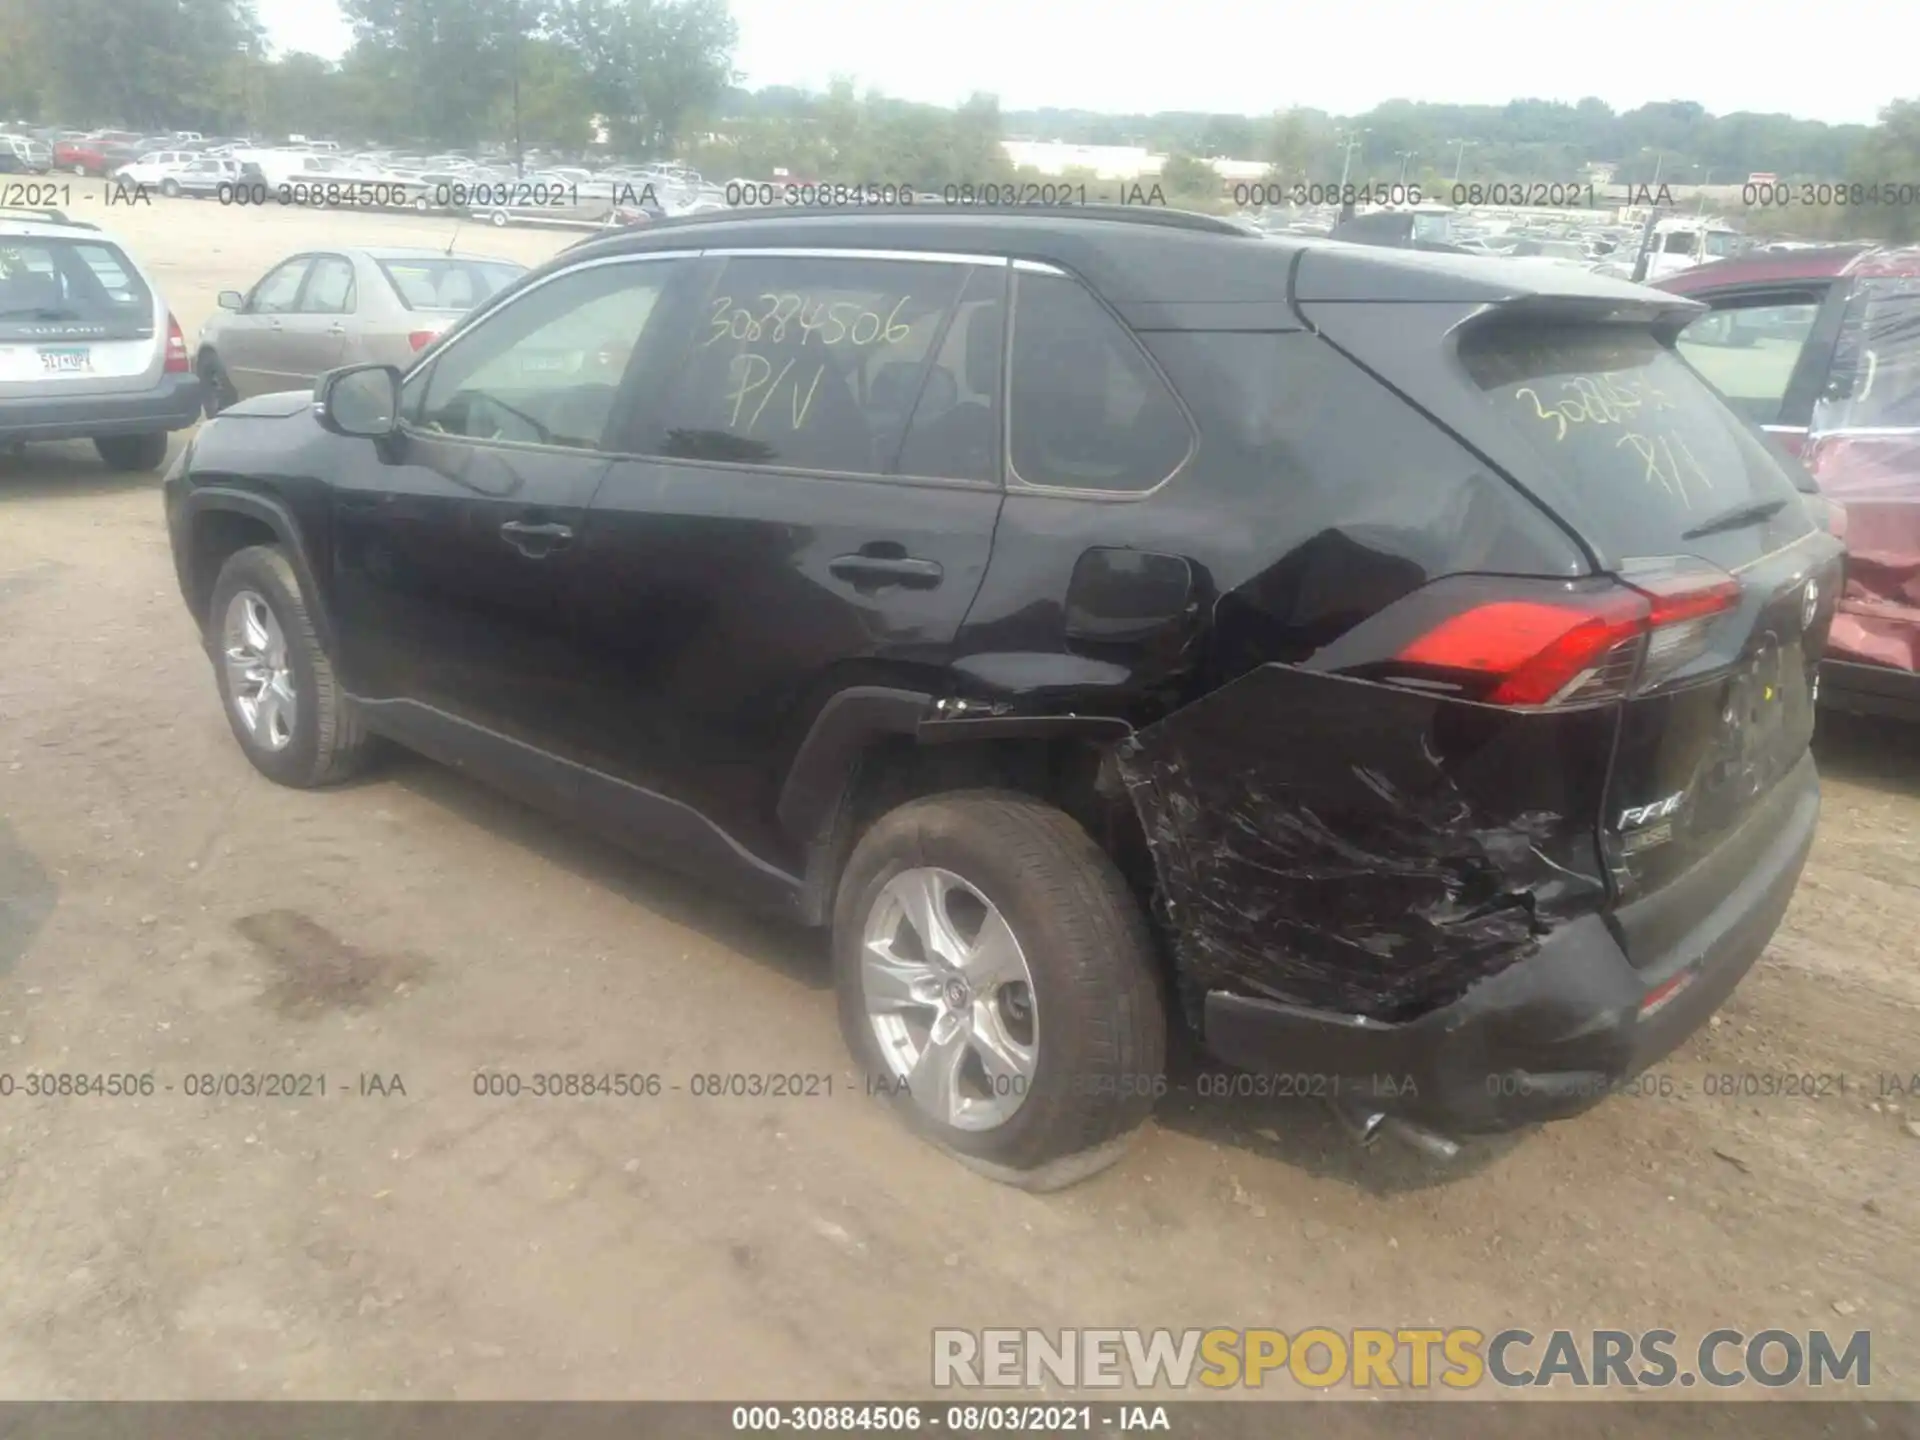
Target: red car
<point x="1820" y="347"/>
<point x="93" y="155"/>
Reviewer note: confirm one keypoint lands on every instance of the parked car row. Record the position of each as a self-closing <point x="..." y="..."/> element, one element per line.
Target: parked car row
<point x="90" y="350"/>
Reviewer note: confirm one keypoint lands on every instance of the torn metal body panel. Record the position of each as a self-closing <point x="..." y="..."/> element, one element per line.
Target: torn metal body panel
<point x="1361" y="848"/>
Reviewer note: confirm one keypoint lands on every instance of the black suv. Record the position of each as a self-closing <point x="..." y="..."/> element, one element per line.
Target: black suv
<point x="1397" y="668"/>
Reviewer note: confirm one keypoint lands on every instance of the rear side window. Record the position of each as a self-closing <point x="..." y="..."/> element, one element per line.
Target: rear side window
<point x="1648" y="451"/>
<point x="1089" y="411"/>
<point x="812" y="363"/>
<point x="46" y="281"/>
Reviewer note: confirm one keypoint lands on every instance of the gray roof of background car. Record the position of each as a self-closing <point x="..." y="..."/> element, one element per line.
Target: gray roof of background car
<point x="414" y="252"/>
<point x="1162" y="268"/>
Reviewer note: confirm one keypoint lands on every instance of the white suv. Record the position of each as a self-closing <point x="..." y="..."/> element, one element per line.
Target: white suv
<point x="88" y="349"/>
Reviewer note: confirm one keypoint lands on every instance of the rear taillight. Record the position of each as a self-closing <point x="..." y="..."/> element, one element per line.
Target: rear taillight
<point x="420" y="339"/>
<point x="177" y="361"/>
<point x="1579" y="648"/>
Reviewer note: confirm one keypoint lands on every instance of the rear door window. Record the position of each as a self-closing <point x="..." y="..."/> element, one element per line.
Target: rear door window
<point x="810" y="362"/>
<point x="1089" y="410"/>
<point x="1644" y="449"/>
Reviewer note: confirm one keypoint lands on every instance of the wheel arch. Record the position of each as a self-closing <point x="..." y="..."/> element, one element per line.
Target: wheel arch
<point x="216" y="523"/>
<point x="873" y="748"/>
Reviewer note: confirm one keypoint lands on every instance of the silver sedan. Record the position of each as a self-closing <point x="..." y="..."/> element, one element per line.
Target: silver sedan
<point x="321" y="309"/>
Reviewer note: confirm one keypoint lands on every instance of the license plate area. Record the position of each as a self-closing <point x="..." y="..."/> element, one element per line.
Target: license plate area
<point x="66" y="360"/>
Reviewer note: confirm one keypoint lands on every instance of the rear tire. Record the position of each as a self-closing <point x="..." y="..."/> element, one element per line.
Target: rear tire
<point x="1091" y="1035"/>
<point x="133" y="452"/>
<point x="322" y="741"/>
<point x="170" y="188"/>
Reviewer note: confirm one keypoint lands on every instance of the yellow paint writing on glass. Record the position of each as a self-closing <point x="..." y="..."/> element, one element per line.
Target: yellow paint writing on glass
<point x="829" y="322"/>
<point x="1669" y="464"/>
<point x="1594" y="400"/>
<point x="756" y="383"/>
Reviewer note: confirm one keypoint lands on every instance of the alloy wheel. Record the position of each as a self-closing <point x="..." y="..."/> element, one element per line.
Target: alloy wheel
<point x="950" y="998"/>
<point x="259" y="677"/>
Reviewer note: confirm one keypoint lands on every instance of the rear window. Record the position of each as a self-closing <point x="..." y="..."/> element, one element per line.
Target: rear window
<point x="89" y="286"/>
<point x="448" y="283"/>
<point x="1644" y="447"/>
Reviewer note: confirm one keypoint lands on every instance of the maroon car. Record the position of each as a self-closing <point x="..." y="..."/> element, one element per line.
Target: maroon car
<point x="92" y="155"/>
<point x="1820" y="347"/>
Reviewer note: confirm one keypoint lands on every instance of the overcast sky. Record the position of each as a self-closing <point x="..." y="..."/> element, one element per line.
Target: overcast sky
<point x="1252" y="57"/>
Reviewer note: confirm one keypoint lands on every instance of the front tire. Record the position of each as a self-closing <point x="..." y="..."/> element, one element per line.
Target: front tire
<point x="133" y="452"/>
<point x="216" y="390"/>
<point x="170" y="189"/>
<point x="277" y="685"/>
<point x="996" y="979"/>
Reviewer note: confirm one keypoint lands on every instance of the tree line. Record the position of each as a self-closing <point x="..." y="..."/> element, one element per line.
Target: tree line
<point x="654" y="79"/>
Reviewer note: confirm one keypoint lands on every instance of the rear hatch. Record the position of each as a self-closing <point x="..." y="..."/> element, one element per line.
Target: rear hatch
<point x="1720" y="587"/>
<point x="76" y="319"/>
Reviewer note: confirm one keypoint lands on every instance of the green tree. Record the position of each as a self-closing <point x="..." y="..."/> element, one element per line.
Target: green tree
<point x="652" y="66"/>
<point x="147" y="63"/>
<point x="1889" y="158"/>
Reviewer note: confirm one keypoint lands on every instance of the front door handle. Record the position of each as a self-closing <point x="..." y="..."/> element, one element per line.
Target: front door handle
<point x="336" y="329"/>
<point x="536" y="541"/>
<point x="876" y="570"/>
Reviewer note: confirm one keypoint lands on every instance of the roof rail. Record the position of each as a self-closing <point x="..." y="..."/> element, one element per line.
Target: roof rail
<point x="45" y="215"/>
<point x="1158" y="215"/>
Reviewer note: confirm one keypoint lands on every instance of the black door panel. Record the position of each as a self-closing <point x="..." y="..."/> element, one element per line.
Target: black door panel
<point x="724" y="606"/>
<point x="451" y="589"/>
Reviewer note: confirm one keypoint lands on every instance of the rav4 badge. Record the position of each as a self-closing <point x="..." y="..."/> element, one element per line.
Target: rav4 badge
<point x="1637" y="815"/>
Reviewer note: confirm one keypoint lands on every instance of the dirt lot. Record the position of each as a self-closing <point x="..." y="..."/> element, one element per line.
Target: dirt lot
<point x="164" y="909"/>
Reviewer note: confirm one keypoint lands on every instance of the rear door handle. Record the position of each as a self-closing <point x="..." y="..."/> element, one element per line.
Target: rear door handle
<point x="887" y="570"/>
<point x="535" y="540"/>
<point x="336" y="329"/>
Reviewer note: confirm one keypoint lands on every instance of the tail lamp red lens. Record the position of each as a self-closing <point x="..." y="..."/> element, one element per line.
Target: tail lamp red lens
<point x="420" y="339"/>
<point x="1581" y="647"/>
<point x="177" y="361"/>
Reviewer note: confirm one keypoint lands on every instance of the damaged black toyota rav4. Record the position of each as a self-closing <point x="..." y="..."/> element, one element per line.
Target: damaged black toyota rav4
<point x="1399" y="669"/>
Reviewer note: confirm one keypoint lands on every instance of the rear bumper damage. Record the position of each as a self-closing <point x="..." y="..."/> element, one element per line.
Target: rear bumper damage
<point x="1520" y="1008"/>
<point x="1548" y="1037"/>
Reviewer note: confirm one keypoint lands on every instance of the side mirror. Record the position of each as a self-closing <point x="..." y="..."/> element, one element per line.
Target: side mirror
<point x="232" y="300"/>
<point x="362" y="400"/>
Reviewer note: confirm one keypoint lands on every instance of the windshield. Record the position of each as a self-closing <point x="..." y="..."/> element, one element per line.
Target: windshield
<point x="1645" y="446"/>
<point x="1723" y="243"/>
<point x="449" y="282"/>
<point x="46" y="281"/>
<point x="1433" y="227"/>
